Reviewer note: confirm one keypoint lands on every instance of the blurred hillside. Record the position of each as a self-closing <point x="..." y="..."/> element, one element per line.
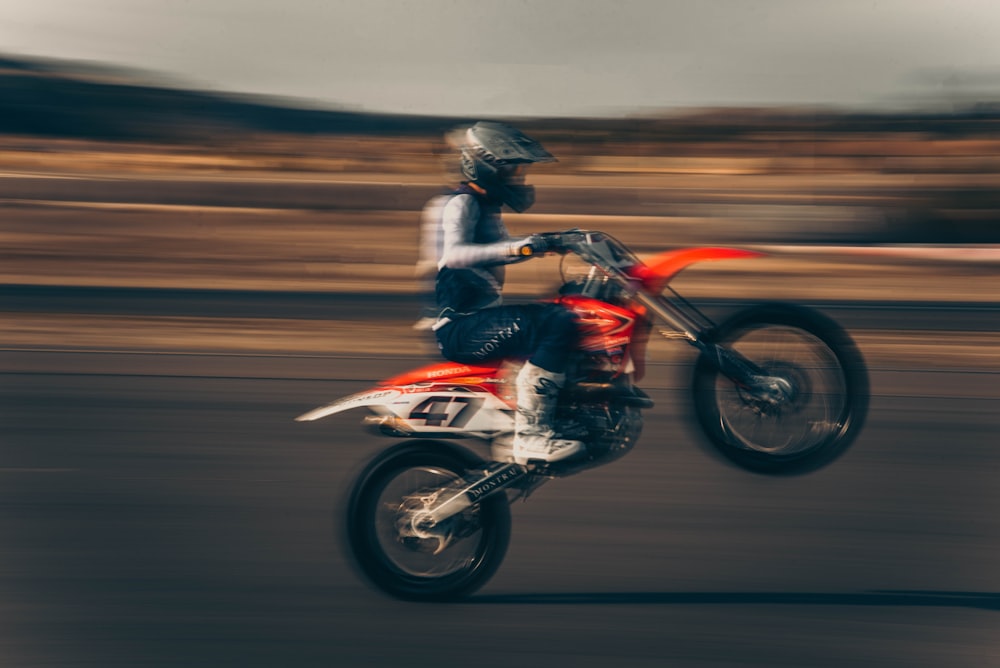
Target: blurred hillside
<point x="69" y="100"/>
<point x="74" y="100"/>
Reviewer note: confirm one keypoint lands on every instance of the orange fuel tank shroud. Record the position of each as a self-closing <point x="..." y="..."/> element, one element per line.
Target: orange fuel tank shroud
<point x="661" y="269"/>
<point x="598" y="317"/>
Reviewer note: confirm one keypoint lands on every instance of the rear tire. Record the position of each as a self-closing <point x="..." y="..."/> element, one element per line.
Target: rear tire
<point x="402" y="565"/>
<point x="828" y="406"/>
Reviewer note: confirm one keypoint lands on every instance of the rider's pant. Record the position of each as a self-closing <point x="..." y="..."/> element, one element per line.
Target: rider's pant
<point x="547" y="334"/>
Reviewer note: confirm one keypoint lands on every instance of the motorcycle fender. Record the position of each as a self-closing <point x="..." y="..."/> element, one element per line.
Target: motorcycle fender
<point x="375" y="397"/>
<point x="662" y="268"/>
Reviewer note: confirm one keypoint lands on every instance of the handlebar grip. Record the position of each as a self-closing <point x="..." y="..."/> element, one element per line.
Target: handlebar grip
<point x="553" y="242"/>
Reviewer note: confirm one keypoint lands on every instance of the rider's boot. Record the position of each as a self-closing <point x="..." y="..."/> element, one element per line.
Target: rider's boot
<point x="534" y="437"/>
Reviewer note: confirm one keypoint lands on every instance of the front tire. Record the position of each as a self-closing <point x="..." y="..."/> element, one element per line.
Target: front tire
<point x="420" y="568"/>
<point x="821" y="417"/>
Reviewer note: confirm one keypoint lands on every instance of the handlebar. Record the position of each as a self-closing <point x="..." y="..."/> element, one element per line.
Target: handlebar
<point x="553" y="242"/>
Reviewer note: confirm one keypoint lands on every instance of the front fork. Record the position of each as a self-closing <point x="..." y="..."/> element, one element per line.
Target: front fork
<point x="761" y="385"/>
<point x="690" y="324"/>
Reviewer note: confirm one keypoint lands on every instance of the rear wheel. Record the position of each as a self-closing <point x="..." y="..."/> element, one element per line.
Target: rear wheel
<point x="818" y="416"/>
<point x="405" y="559"/>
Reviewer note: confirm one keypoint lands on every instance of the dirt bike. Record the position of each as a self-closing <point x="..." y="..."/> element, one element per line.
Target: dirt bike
<point x="777" y="389"/>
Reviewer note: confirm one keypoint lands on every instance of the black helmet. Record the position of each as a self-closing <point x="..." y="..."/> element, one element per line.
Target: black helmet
<point x="489" y="155"/>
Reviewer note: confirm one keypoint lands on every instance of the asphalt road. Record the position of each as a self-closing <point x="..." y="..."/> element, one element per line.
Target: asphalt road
<point x="165" y="510"/>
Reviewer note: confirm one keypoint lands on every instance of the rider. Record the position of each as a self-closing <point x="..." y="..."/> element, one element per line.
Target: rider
<point x="464" y="232"/>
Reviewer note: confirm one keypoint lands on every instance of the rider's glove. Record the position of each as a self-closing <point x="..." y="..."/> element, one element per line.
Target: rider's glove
<point x="531" y="246"/>
<point x="540" y="244"/>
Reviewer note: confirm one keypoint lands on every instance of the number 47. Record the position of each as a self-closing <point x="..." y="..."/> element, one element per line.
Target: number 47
<point x="425" y="410"/>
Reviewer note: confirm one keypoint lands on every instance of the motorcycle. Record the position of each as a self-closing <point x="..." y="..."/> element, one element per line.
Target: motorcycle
<point x="777" y="389"/>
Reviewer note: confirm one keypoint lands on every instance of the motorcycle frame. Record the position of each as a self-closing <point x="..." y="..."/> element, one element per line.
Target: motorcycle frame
<point x="644" y="283"/>
<point x="685" y="322"/>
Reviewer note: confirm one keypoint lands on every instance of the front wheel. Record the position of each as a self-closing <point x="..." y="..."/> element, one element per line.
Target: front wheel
<point x="819" y="416"/>
<point x="405" y="559"/>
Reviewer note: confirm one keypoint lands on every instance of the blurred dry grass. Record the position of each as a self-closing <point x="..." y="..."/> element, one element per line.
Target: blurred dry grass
<point x="876" y="185"/>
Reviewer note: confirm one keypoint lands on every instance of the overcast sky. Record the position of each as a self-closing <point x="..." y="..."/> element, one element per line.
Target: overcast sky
<point x="534" y="57"/>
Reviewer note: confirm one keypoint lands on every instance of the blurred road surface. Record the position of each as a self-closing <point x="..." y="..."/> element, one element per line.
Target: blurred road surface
<point x="159" y="507"/>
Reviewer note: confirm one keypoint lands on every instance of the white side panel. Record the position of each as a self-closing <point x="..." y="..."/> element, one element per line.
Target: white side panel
<point x="430" y="411"/>
<point x="426" y="410"/>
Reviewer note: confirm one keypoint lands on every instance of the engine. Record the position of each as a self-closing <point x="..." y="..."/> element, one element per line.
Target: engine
<point x="607" y="417"/>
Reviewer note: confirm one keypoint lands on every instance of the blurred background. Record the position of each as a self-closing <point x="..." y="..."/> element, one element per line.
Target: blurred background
<point x="209" y="218"/>
<point x="112" y="182"/>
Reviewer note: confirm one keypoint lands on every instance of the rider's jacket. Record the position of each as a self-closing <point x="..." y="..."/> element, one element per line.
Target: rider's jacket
<point x="464" y="233"/>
